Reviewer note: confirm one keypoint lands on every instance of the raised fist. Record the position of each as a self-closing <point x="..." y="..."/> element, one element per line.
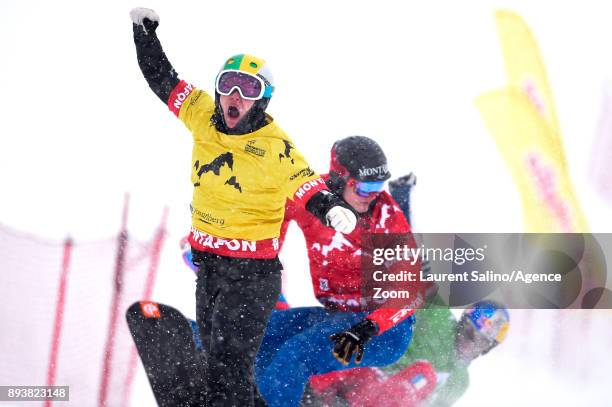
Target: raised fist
<point x="145" y="17"/>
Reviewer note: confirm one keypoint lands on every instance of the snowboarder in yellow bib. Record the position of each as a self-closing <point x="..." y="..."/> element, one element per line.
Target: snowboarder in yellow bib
<point x="244" y="168"/>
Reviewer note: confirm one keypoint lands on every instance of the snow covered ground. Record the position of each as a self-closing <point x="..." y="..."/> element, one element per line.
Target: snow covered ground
<point x="551" y="358"/>
<point x="80" y="127"/>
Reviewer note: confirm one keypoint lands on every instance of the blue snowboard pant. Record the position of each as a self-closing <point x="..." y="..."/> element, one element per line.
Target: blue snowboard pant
<point x="296" y="346"/>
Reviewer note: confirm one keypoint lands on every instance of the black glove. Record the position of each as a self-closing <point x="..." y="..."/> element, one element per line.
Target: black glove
<point x="400" y="191"/>
<point x="406" y="180"/>
<point x="150" y="26"/>
<point x="352" y="341"/>
<point x="146" y="18"/>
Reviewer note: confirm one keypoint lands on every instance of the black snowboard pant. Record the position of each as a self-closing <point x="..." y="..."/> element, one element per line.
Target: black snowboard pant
<point x="234" y="300"/>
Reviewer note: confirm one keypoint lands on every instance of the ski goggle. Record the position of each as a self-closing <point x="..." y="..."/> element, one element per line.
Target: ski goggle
<point x="366" y="189"/>
<point x="479" y="340"/>
<point x="490" y="322"/>
<point x="249" y="86"/>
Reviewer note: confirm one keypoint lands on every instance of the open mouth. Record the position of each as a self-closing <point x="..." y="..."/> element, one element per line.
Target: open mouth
<point x="233" y="112"/>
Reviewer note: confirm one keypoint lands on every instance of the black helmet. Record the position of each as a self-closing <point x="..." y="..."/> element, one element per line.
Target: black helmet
<point x="360" y="158"/>
<point x="357" y="157"/>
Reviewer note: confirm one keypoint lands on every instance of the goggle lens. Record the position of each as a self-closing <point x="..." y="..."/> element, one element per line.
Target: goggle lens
<point x="249" y="86"/>
<point x="367" y="189"/>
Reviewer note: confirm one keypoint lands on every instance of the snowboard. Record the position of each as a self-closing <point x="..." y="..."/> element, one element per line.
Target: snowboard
<point x="167" y="346"/>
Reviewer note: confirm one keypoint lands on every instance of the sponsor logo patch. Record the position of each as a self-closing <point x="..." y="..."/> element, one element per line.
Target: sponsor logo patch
<point x="314" y="185"/>
<point x="304" y="172"/>
<point x="149" y="309"/>
<point x="195" y="98"/>
<point x="368" y="172"/>
<point x="213" y="242"/>
<point x="324" y="284"/>
<point x="207" y="217"/>
<point x="178" y="96"/>
<point x="250" y="148"/>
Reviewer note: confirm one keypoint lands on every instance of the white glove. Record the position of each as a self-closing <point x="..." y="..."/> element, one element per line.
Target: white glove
<point x="341" y="219"/>
<point x="138" y="15"/>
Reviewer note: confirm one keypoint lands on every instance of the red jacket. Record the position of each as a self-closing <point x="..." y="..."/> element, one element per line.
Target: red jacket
<point x="335" y="258"/>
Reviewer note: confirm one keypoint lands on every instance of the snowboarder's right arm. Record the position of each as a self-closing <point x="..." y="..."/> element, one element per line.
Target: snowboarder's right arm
<point x="192" y="106"/>
<point x="157" y="70"/>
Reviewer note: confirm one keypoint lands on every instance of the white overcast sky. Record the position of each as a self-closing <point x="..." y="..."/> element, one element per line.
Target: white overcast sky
<point x="79" y="126"/>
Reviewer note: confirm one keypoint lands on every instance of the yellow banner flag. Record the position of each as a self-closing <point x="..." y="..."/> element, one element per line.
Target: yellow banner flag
<point x="524" y="66"/>
<point x="522" y="119"/>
